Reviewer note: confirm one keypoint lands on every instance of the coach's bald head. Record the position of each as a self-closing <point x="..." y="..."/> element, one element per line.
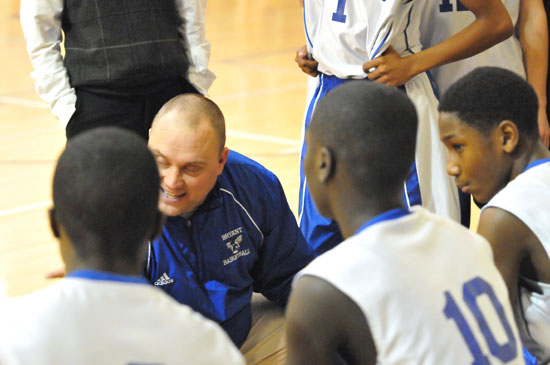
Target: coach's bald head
<point x="188" y="110"/>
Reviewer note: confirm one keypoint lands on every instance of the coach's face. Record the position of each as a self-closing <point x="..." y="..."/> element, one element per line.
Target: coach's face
<point x="189" y="161"/>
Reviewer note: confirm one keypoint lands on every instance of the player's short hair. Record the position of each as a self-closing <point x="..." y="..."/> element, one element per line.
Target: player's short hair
<point x="194" y="107"/>
<point x="371" y="129"/>
<point x="488" y="95"/>
<point x="105" y="193"/>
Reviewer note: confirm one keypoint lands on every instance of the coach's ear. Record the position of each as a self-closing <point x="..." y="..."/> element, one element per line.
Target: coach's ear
<point x="53" y="222"/>
<point x="509" y="135"/>
<point x="160" y="219"/>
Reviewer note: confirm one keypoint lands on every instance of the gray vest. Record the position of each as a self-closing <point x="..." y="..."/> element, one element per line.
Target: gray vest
<point x="122" y="43"/>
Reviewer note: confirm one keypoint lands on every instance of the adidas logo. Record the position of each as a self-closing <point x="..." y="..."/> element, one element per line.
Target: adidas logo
<point x="164" y="280"/>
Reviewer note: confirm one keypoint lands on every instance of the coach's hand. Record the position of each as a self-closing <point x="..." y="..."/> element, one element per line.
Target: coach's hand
<point x="390" y="68"/>
<point x="308" y="66"/>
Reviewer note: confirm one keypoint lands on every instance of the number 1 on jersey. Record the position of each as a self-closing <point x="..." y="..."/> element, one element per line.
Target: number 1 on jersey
<point x="339" y="16"/>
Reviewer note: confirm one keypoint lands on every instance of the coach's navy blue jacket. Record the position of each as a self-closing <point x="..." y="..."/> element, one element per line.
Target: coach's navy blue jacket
<point x="243" y="238"/>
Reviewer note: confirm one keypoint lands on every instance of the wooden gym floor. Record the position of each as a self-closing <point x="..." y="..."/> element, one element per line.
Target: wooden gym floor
<point x="259" y="88"/>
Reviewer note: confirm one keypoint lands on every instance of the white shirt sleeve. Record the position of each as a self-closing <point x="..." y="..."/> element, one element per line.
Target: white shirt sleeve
<point x="196" y="45"/>
<point x="41" y="24"/>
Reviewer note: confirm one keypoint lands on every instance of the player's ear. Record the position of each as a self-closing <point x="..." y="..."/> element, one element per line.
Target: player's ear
<point x="157" y="227"/>
<point x="53" y="222"/>
<point x="325" y="164"/>
<point x="509" y="135"/>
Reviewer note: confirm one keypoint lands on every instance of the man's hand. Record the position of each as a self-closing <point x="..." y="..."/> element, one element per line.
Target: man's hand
<point x="544" y="129"/>
<point x="57" y="274"/>
<point x="306" y="65"/>
<point x="390" y="68"/>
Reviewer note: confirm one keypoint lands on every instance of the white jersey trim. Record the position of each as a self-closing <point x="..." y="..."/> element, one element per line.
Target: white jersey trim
<point x="246" y="211"/>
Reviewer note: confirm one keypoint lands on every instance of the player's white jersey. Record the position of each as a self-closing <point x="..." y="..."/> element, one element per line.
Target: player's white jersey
<point x="344" y="34"/>
<point x="428" y="288"/>
<point x="528" y="198"/>
<point x="441" y="19"/>
<point x="341" y="48"/>
<point x="82" y="321"/>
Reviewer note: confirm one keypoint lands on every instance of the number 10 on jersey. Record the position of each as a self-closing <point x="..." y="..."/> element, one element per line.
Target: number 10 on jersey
<point x="471" y="291"/>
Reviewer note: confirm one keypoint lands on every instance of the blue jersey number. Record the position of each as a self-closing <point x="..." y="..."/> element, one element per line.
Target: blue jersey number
<point x="446" y="6"/>
<point x="339" y="15"/>
<point x="471" y="291"/>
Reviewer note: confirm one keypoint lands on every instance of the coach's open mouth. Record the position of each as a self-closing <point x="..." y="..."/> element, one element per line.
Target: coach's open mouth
<point x="171" y="197"/>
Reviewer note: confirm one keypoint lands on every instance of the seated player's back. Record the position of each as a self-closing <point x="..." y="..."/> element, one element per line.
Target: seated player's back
<point x="431" y="293"/>
<point x="83" y="321"/>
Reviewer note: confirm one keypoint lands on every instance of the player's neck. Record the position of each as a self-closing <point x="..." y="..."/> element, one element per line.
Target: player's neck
<point x="100" y="264"/>
<point x="537" y="152"/>
<point x="356" y="212"/>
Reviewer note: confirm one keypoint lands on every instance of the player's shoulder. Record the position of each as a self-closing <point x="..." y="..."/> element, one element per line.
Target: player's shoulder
<point x="528" y="191"/>
<point x="348" y="256"/>
<point x="25" y="303"/>
<point x="20" y="316"/>
<point x="209" y="343"/>
<point x="535" y="175"/>
<point x="454" y="231"/>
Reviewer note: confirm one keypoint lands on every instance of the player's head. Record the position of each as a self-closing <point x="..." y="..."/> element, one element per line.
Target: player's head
<point x="362" y="138"/>
<point x="487" y="120"/>
<point x="105" y="196"/>
<point x="188" y="140"/>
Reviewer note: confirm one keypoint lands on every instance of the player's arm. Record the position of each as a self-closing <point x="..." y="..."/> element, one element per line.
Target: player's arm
<point x="533" y="37"/>
<point x="41" y="24"/>
<point x="325" y="326"/>
<point x="308" y="66"/>
<point x="508" y="237"/>
<point x="197" y="46"/>
<point x="491" y="26"/>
